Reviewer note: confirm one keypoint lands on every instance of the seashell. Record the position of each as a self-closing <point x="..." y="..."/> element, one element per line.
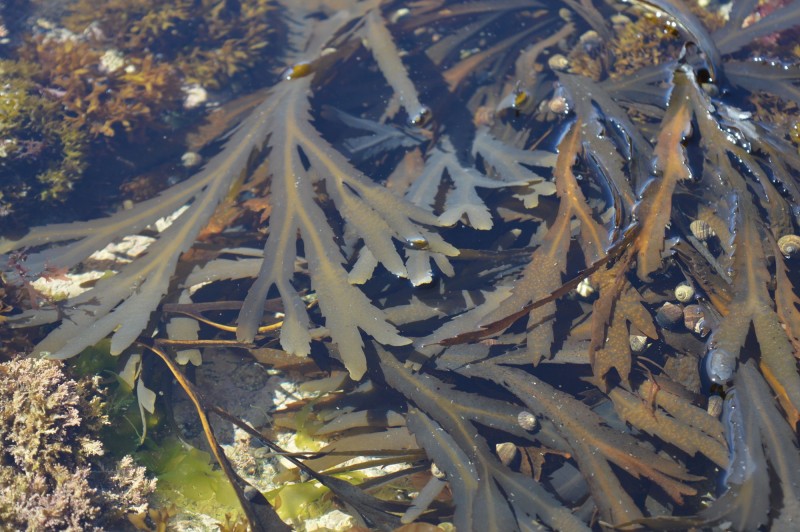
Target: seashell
<point x="638" y="342"/>
<point x="789" y="245"/>
<point x="669" y="315"/>
<point x="720" y="365"/>
<point x="701" y="230"/>
<point x="585" y="288"/>
<point x="684" y="293"/>
<point x="436" y="472"/>
<point x="694" y="318"/>
<point x="506" y="452"/>
<point x="191" y="159"/>
<point x="558" y="62"/>
<point x="714" y="407"/>
<point x="527" y="421"/>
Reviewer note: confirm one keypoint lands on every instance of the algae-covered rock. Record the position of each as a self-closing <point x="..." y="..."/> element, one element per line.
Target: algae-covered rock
<point x="52" y="474"/>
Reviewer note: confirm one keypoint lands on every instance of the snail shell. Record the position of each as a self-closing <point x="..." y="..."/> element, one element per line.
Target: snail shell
<point x="669" y="315"/>
<point x="720" y="365"/>
<point x="558" y="62"/>
<point x="527" y="421"/>
<point x="684" y="293"/>
<point x="701" y="230"/>
<point x="506" y="452"/>
<point x="694" y="318"/>
<point x="714" y="407"/>
<point x="191" y="159"/>
<point x="789" y="245"/>
<point x="436" y="472"/>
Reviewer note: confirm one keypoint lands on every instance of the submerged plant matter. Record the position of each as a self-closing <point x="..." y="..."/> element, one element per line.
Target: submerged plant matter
<point x="579" y="201"/>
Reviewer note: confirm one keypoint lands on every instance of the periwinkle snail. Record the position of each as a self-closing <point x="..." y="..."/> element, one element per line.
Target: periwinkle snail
<point x="719" y="365"/>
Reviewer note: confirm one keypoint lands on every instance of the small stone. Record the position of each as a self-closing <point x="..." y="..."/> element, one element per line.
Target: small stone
<point x="194" y="96"/>
<point x="638" y="342"/>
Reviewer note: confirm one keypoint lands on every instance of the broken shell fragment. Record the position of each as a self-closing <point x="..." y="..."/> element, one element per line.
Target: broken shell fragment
<point x="701" y="230"/>
<point x="506" y="452"/>
<point x="714" y="407"/>
<point x="789" y="245"/>
<point x="527" y="421"/>
<point x="684" y="293"/>
<point x="669" y="315"/>
<point x="436" y="472"/>
<point x="638" y="343"/>
<point x="584" y="288"/>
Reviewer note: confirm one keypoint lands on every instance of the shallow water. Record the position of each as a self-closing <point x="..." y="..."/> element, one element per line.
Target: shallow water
<point x="484" y="212"/>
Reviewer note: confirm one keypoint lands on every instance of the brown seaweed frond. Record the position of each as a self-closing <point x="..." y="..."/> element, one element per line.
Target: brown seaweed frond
<point x="543" y="275"/>
<point x="122" y="304"/>
<point x="370" y="211"/>
<point x="593" y="444"/>
<point x="488" y="495"/>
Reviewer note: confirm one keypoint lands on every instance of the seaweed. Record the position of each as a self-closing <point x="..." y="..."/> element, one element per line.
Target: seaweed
<point x="209" y="43"/>
<point x="617" y="246"/>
